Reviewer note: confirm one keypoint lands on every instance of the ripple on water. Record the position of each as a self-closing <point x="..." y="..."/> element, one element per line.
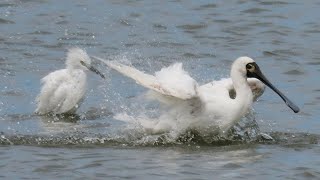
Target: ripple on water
<point x="255" y="10"/>
<point x="294" y="72"/>
<point x="135" y="137"/>
<point x="281" y="53"/>
<point x="261" y="24"/>
<point x="2" y="60"/>
<point x="58" y="46"/>
<point x="131" y="45"/>
<point x="222" y="21"/>
<point x="305" y="172"/>
<point x="40" y="32"/>
<point x="193" y="55"/>
<point x="269" y="53"/>
<point x="135" y="15"/>
<point x="6" y="21"/>
<point x="209" y="6"/>
<point x="314" y="62"/>
<point x="63" y="22"/>
<point x="166" y="44"/>
<point x="159" y="26"/>
<point x="15" y="93"/>
<point x="193" y="26"/>
<point x="232" y="166"/>
<point x="273" y="3"/>
<point x="6" y="5"/>
<point x="50" y="168"/>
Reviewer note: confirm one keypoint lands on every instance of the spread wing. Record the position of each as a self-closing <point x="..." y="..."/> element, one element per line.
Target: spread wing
<point x="175" y="82"/>
<point x="171" y="81"/>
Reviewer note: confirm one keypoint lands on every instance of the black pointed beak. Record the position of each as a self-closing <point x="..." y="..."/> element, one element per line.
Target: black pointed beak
<point x="258" y="74"/>
<point x="91" y="68"/>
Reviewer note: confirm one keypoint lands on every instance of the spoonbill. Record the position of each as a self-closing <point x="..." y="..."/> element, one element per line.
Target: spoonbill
<point x="63" y="90"/>
<point x="219" y="103"/>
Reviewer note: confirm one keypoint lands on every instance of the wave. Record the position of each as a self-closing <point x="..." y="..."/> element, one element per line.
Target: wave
<point x="189" y="138"/>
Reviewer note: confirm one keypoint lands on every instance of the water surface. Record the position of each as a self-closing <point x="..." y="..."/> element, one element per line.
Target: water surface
<point x="282" y="36"/>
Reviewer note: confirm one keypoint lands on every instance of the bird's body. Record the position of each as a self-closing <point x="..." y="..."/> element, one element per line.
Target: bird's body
<point x="63" y="90"/>
<point x="216" y="105"/>
<point x="219" y="105"/>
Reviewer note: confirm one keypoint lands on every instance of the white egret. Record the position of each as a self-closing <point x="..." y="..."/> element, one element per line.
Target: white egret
<point x="63" y="90"/>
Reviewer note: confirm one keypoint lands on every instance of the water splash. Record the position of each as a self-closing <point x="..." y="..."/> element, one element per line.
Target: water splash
<point x="151" y="116"/>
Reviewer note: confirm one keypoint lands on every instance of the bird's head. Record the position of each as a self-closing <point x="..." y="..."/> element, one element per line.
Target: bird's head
<point x="248" y="68"/>
<point x="79" y="59"/>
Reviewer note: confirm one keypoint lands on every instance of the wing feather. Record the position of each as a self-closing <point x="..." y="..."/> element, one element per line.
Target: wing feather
<point x="171" y="81"/>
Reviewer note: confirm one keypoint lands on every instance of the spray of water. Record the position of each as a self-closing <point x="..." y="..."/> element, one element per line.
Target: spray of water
<point x="149" y="117"/>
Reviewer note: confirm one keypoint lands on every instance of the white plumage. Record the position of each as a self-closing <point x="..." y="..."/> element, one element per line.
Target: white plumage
<point x="63" y="90"/>
<point x="214" y="106"/>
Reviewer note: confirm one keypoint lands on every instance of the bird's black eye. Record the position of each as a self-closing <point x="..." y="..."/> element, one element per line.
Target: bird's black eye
<point x="250" y="67"/>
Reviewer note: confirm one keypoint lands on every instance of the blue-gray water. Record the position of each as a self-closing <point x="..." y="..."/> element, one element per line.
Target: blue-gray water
<point x="282" y="36"/>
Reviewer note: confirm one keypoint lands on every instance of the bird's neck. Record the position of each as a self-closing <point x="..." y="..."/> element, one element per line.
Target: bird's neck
<point x="78" y="73"/>
<point x="244" y="94"/>
<point x="75" y="69"/>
